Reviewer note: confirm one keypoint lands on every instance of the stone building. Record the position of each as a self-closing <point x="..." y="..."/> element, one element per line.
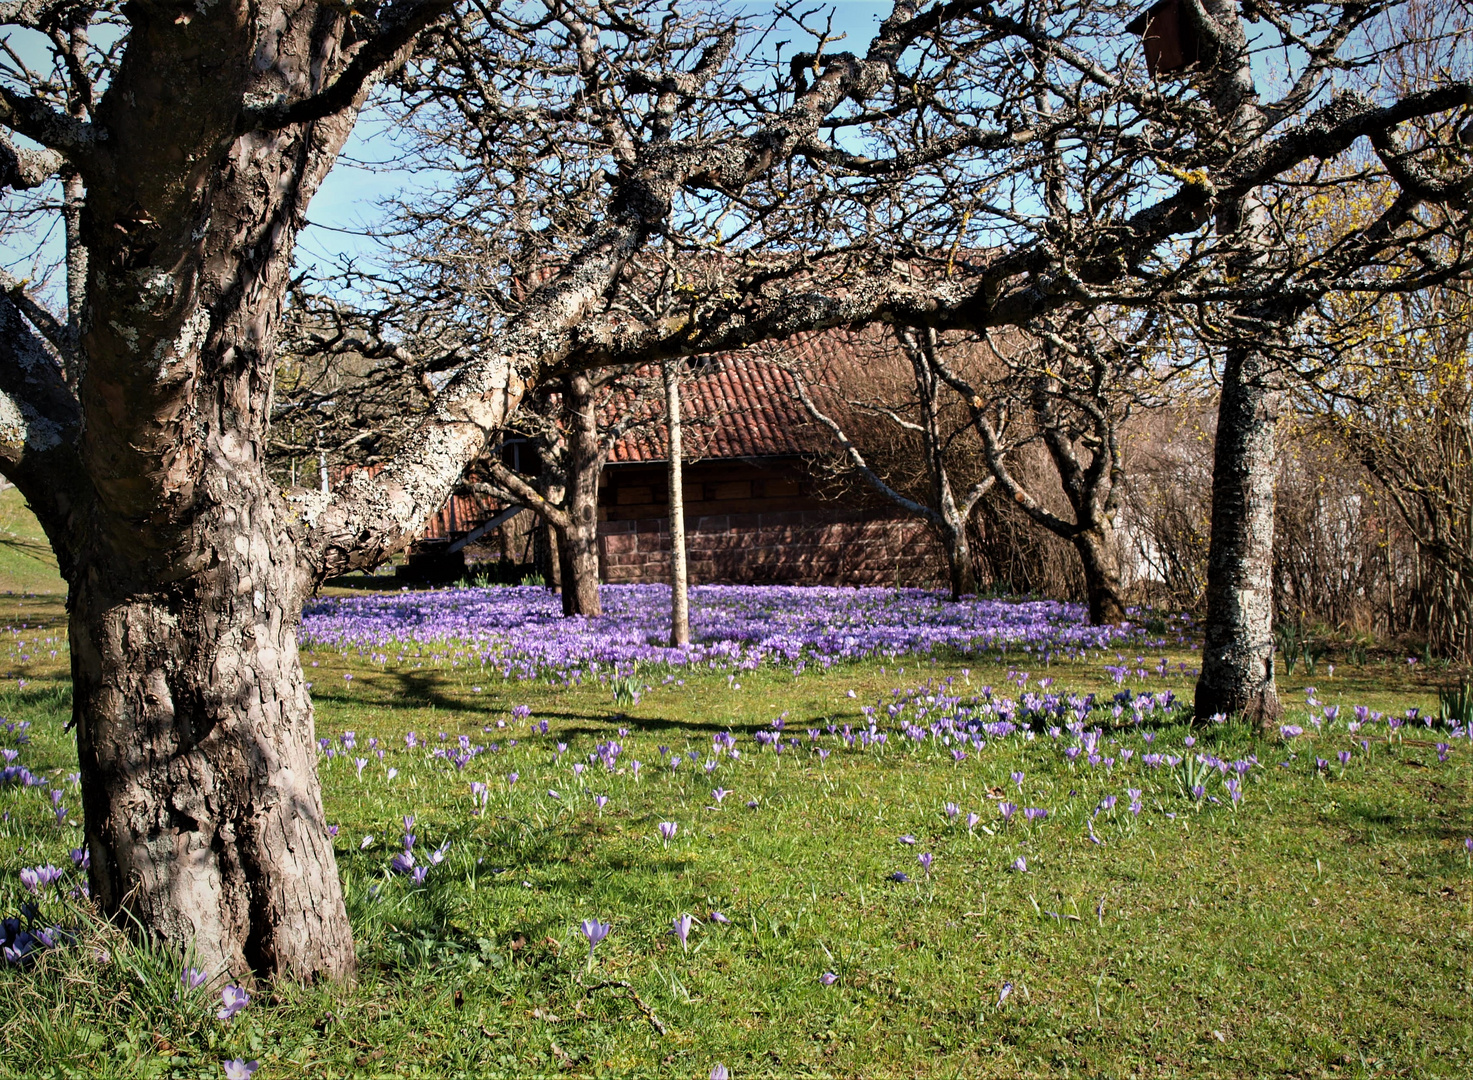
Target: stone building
<point x="762" y="503"/>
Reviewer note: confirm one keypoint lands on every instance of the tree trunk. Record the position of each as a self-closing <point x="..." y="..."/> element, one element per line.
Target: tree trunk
<point x="578" y="567"/>
<point x="195" y="735"/>
<point x="1101" y="576"/>
<point x="958" y="552"/>
<point x="578" y="543"/>
<point x="679" y="576"/>
<point x="1238" y="646"/>
<point x="550" y="558"/>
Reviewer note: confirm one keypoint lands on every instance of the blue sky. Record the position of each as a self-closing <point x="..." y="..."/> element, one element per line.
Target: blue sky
<point x="347" y="205"/>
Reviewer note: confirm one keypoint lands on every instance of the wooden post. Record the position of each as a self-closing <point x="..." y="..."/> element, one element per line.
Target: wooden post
<point x="679" y="579"/>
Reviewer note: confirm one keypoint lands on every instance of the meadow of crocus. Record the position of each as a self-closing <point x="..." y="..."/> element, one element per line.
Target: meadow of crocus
<point x="862" y="834"/>
<point x="521" y="633"/>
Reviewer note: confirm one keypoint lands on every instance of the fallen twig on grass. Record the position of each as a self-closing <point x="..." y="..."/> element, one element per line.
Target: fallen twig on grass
<point x="620" y="984"/>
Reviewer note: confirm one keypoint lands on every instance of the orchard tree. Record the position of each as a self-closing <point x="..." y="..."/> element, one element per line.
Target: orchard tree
<point x="136" y="429"/>
<point x="1076" y="383"/>
<point x="574" y="432"/>
<point x="197" y="138"/>
<point x="897" y="434"/>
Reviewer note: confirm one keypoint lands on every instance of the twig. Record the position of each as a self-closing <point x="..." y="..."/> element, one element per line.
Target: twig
<point x="620" y="984"/>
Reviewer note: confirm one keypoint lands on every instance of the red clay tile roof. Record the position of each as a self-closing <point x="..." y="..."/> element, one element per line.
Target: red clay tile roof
<point x="740" y="405"/>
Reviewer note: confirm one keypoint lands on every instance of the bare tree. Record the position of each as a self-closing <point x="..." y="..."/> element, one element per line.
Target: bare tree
<point x="580" y="433"/>
<point x="138" y="441"/>
<point x="1077" y="383"/>
<point x="199" y="148"/>
<point x="913" y="409"/>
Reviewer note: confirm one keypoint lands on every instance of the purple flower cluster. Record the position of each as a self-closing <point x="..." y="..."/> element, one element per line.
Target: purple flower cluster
<point x="24" y="936"/>
<point x="521" y="631"/>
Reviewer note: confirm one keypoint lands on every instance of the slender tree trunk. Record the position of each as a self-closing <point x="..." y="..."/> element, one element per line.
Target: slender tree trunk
<point x="552" y="570"/>
<point x="679" y="577"/>
<point x="1101" y="575"/>
<point x="1238" y="647"/>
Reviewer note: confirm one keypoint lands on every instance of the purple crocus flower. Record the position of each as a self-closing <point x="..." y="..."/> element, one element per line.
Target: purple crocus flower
<point x="907" y="839"/>
<point x="718" y="1072"/>
<point x="667" y="831"/>
<point x="952" y="810"/>
<point x="1007" y="810"/>
<point x="717" y="917"/>
<point x="680" y="927"/>
<point x="1007" y="988"/>
<point x="193" y="978"/>
<point x="924" y="858"/>
<point x="718" y="794"/>
<point x="232" y="1000"/>
<point x="239" y="1068"/>
<point x="1020" y="864"/>
<point x="600" y="801"/>
<point x="595" y="932"/>
<point x="403" y="862"/>
<point x="36" y="878"/>
<point x="972" y="820"/>
<point x="828" y="978"/>
<point x="1018" y="779"/>
<point x="1035" y="813"/>
<point x="900" y="876"/>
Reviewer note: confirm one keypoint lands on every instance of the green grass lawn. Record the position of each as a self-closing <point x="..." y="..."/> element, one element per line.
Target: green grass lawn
<point x="1320" y="927"/>
<point x="26" y="562"/>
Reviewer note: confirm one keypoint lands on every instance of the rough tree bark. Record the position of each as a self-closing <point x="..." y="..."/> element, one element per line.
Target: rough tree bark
<point x="578" y="539"/>
<point x="1096" y="548"/>
<point x="1237" y="676"/>
<point x="1238" y="646"/>
<point x="136" y="434"/>
<point x="679" y="576"/>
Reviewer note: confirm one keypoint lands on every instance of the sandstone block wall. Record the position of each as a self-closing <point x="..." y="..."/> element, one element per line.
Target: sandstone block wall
<point x="812" y="547"/>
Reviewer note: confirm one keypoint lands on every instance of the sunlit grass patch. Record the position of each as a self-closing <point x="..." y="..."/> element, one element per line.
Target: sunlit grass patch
<point x="1319" y="923"/>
